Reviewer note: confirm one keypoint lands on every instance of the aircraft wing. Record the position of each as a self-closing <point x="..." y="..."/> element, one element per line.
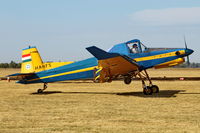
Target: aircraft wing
<point x="114" y="63"/>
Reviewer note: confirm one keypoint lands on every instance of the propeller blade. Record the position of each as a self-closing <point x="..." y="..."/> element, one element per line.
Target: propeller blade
<point x="185" y="43"/>
<point x="188" y="61"/>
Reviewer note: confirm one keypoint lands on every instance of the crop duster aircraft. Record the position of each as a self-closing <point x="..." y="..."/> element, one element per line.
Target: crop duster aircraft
<point x="125" y="60"/>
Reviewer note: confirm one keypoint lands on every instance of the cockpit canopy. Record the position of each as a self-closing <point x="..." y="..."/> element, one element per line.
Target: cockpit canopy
<point x="130" y="47"/>
<point x="135" y="46"/>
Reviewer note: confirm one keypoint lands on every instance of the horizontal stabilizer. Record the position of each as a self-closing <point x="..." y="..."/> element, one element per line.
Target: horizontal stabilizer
<point x="101" y="54"/>
<point x="20" y="74"/>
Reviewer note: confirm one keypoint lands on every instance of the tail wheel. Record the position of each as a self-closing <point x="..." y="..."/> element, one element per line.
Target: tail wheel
<point x="155" y="88"/>
<point x="39" y="91"/>
<point x="44" y="88"/>
<point x="148" y="90"/>
<point x="127" y="80"/>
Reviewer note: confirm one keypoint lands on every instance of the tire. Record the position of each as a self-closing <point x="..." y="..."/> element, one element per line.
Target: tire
<point x="127" y="80"/>
<point x="155" y="88"/>
<point x="148" y="90"/>
<point x="39" y="91"/>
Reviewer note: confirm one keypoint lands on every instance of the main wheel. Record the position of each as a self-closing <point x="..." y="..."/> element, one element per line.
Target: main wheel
<point x="147" y="90"/>
<point x="155" y="88"/>
<point x="39" y="91"/>
<point x="127" y="80"/>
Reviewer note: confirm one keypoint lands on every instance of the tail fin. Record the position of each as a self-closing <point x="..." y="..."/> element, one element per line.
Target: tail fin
<point x="30" y="59"/>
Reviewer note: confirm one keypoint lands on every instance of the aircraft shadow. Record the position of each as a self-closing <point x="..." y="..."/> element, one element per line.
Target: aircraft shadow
<point x="76" y="82"/>
<point x="46" y="92"/>
<point x="161" y="94"/>
<point x="190" y="93"/>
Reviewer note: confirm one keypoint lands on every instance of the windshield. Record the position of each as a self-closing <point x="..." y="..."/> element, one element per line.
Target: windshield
<point x="143" y="47"/>
<point x="136" y="47"/>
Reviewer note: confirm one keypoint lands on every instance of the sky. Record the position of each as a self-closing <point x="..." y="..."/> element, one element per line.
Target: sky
<point x="62" y="29"/>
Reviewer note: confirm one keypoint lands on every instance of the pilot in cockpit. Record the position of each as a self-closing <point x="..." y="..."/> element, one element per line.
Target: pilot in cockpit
<point x="134" y="49"/>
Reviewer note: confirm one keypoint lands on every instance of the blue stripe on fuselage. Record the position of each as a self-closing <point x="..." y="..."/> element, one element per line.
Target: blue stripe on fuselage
<point x="66" y="68"/>
<point x="74" y="76"/>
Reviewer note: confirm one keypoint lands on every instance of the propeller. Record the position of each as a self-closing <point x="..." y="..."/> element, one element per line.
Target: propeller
<point x="188" y="59"/>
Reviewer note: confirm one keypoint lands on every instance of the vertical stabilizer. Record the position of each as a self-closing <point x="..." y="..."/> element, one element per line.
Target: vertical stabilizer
<point x="30" y="59"/>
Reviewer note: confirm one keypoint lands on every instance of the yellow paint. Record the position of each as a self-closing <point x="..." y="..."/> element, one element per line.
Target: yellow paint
<point x="159" y="56"/>
<point x="36" y="64"/>
<point x="170" y="63"/>
<point x="99" y="69"/>
<point x="97" y="77"/>
<point x="115" y="66"/>
<point x="36" y="60"/>
<point x="50" y="65"/>
<point x="182" y="52"/>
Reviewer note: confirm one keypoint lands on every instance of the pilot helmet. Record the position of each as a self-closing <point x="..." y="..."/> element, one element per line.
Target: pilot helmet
<point x="134" y="45"/>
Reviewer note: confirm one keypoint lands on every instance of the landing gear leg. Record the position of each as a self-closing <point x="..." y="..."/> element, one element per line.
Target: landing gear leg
<point x="147" y="90"/>
<point x="44" y="88"/>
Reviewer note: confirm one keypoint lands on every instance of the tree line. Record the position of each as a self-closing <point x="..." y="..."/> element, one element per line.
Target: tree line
<point x="13" y="64"/>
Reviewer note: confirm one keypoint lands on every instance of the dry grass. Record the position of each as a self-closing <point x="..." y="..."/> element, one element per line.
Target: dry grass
<point x="7" y="71"/>
<point x="172" y="72"/>
<point x="109" y="107"/>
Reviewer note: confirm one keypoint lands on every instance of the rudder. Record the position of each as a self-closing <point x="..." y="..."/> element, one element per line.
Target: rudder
<point x="30" y="59"/>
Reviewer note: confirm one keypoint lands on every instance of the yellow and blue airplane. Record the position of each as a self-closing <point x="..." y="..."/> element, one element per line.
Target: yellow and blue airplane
<point x="125" y="60"/>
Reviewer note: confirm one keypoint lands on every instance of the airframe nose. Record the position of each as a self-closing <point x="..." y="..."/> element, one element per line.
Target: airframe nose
<point x="189" y="51"/>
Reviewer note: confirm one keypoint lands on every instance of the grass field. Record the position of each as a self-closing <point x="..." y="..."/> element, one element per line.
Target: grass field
<point x="76" y="107"/>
